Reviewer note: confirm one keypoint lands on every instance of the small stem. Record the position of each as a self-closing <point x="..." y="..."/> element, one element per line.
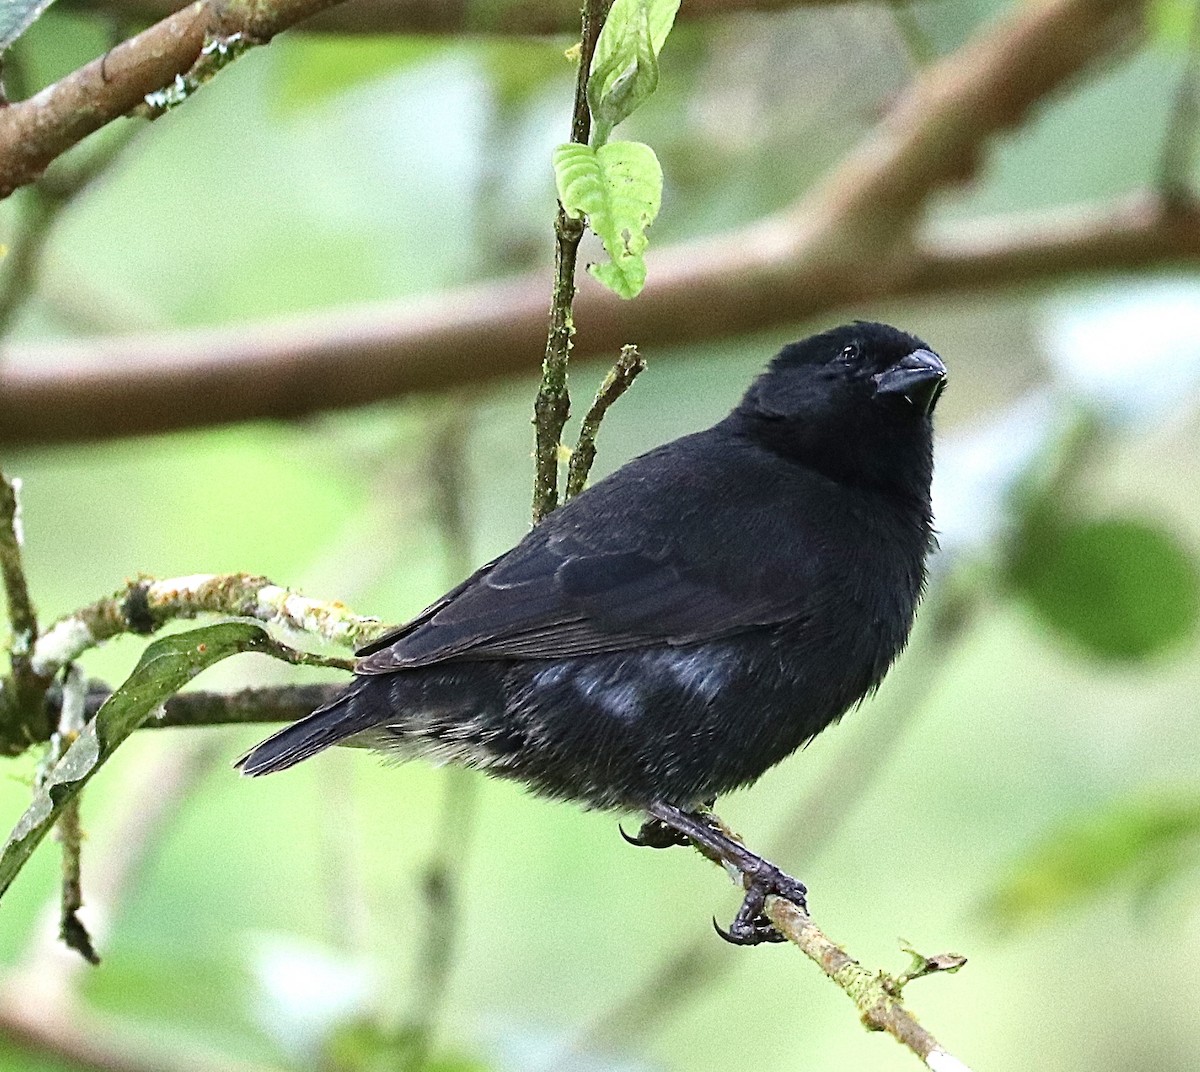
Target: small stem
<point x="553" y="404"/>
<point x="875" y="993"/>
<point x="71" y="928"/>
<point x="629" y="365"/>
<point x="21" y="614"/>
<point x="20" y="704"/>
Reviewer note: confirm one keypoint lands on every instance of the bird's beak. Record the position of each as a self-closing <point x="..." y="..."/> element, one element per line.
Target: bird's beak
<point x="920" y="377"/>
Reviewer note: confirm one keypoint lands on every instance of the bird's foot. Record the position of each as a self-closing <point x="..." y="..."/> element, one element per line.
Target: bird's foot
<point x="655" y="834"/>
<point x="762" y="879"/>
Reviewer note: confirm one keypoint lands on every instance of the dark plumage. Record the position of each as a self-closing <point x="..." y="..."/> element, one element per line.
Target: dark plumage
<point x="691" y="619"/>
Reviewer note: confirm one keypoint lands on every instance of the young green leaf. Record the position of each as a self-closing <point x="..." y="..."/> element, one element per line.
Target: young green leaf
<point x="164" y="668"/>
<point x="618" y="187"/>
<point x="625" y="64"/>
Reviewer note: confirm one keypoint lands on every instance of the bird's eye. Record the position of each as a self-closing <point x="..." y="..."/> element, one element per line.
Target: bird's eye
<point x="848" y="355"/>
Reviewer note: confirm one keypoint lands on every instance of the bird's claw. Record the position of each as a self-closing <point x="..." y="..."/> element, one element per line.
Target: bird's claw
<point x="670" y="824"/>
<point x="655" y="834"/>
<point x="751" y="926"/>
<point x="755" y="932"/>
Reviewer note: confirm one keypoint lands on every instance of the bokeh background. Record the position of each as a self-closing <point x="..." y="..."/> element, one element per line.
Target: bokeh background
<point x="1024" y="789"/>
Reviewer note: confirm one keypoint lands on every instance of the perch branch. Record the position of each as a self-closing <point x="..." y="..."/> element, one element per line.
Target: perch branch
<point x="876" y="994"/>
<point x="805" y="829"/>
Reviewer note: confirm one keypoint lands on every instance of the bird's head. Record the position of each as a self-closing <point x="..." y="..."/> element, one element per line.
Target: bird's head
<point x="854" y="402"/>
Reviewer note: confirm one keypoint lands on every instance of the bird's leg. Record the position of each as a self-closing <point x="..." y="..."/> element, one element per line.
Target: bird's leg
<point x="656" y="834"/>
<point x="762" y="879"/>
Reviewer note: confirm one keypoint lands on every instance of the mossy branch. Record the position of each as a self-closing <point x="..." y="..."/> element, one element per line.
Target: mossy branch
<point x="553" y="404"/>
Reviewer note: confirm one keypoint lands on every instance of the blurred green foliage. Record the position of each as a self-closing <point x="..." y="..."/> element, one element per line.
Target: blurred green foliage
<point x="1145" y="841"/>
<point x="319" y="172"/>
<point x="1123" y="588"/>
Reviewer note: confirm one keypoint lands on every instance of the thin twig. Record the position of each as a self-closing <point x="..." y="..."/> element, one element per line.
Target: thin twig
<point x="619" y="379"/>
<point x="876" y="994"/>
<point x="21" y="696"/>
<point x="70" y="825"/>
<point x="553" y="404"/>
<point x="21" y="614"/>
<point x="194" y="710"/>
<point x="1179" y="143"/>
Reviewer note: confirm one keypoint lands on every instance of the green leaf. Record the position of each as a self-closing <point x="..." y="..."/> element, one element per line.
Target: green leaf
<point x="1122" y="588"/>
<point x="1140" y="840"/>
<point x="618" y="187"/>
<point x="16" y="16"/>
<point x="625" y="64"/>
<point x="164" y="668"/>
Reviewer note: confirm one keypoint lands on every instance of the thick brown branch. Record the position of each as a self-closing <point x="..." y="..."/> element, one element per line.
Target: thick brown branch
<point x="458" y="16"/>
<point x="77" y="391"/>
<point x="35" y="131"/>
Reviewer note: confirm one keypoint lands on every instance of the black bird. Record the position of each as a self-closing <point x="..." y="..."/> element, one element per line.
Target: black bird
<point x="690" y="620"/>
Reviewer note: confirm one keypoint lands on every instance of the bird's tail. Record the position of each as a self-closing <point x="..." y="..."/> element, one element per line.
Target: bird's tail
<point x="349" y="714"/>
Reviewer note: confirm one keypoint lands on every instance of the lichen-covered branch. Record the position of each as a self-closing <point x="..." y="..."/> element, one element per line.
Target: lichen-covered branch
<point x="877" y="995"/>
<point x="144" y="606"/>
<point x="21" y="615"/>
<point x="553" y="404"/>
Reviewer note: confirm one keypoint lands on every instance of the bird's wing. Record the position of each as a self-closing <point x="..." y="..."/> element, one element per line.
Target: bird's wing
<point x="563" y="594"/>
